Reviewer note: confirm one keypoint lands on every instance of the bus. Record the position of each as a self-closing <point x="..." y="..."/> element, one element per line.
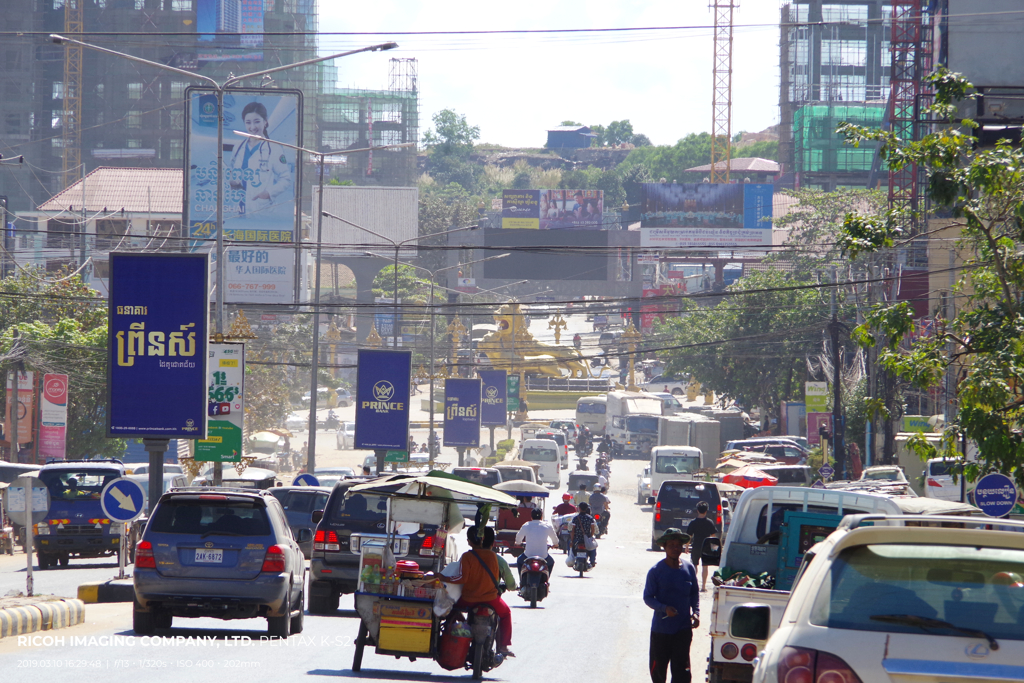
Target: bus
<point x="590" y="413"/>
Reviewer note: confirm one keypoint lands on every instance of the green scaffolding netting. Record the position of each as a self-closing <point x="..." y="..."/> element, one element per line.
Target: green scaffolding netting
<point x="817" y="146"/>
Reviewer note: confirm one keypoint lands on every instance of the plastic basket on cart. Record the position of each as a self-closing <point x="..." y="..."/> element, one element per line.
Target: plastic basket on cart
<point x="453" y="647"/>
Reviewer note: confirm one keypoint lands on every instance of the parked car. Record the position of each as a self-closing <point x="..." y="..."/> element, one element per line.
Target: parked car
<point x="938" y="480"/>
<point x="785" y="452"/>
<point x="670" y="384"/>
<point x="884" y="473"/>
<point x="899" y="603"/>
<point x="344" y="524"/>
<point x="344" y="397"/>
<point x="221" y="553"/>
<point x="299" y="502"/>
<point x="346" y="436"/>
<point x="643" y="486"/>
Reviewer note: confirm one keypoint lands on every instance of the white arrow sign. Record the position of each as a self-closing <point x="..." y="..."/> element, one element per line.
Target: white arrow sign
<point x="123" y="501"/>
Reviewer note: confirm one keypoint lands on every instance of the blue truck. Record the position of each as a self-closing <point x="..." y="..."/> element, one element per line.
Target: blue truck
<point x="75" y="526"/>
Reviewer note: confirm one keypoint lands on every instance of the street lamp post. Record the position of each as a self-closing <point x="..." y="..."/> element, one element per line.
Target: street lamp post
<point x="315" y="361"/>
<point x="219" y="89"/>
<point x="431" y="438"/>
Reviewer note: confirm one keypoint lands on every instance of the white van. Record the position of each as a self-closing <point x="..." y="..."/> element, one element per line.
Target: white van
<point x="590" y="412"/>
<point x="673" y="462"/>
<point x="545" y="453"/>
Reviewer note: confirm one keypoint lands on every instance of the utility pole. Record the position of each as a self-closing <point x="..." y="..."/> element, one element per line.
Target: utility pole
<point x="838" y="426"/>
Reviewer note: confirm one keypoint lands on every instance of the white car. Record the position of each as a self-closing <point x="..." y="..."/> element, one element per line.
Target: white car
<point x="643" y="486"/>
<point x="884" y="473"/>
<point x="671" y="384"/>
<point x="879" y="603"/>
<point x="346" y="435"/>
<point x="938" y="481"/>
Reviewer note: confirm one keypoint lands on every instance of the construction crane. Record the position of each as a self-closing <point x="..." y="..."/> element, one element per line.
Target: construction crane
<point x="721" y="98"/>
<point x="71" y="120"/>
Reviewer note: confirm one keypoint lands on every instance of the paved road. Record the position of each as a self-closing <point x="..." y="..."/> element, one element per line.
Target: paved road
<point x="593" y="629"/>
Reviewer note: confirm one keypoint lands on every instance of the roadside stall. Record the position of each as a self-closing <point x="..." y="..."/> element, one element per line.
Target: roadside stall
<point x="509" y="522"/>
<point x="400" y="611"/>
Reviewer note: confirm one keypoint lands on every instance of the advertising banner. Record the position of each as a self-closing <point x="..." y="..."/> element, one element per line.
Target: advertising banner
<point x="462" y="413"/>
<point x="492" y="399"/>
<point x="261" y="179"/>
<point x="816" y="421"/>
<point x="678" y="215"/>
<point x="157" y="339"/>
<point x="382" y="399"/>
<point x="53" y="408"/>
<point x="816" y="397"/>
<point x="263" y="275"/>
<point x="552" y="209"/>
<point x="512" y="397"/>
<point x="225" y="407"/>
<point x="229" y="30"/>
<point x="26" y="393"/>
<point x="384" y="320"/>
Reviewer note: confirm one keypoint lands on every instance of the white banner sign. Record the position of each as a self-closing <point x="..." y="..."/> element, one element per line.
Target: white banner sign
<point x="677" y="238"/>
<point x="260" y="275"/>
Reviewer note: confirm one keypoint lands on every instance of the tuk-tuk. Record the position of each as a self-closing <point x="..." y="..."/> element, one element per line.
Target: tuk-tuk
<point x="509" y="522"/>
<point x="401" y="611"/>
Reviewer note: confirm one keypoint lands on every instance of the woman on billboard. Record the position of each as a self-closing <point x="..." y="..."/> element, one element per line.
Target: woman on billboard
<point x="266" y="176"/>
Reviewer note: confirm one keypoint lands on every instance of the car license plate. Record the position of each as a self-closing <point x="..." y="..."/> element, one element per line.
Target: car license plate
<point x="210" y="556"/>
<point x="581" y="556"/>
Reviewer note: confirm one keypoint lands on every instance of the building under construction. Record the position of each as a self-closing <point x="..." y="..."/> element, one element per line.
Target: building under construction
<point x="69" y="111"/>
<point x="835" y="65"/>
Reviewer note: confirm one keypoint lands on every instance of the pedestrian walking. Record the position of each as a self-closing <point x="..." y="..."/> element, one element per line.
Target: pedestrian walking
<point x="671" y="591"/>
<point x="699" y="530"/>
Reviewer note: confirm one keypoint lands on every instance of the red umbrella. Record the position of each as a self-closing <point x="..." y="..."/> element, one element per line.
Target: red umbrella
<point x="750" y="477"/>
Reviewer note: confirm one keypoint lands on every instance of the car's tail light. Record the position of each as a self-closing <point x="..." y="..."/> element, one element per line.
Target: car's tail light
<point x="804" y="665"/>
<point x="144" y="558"/>
<point x="431" y="545"/>
<point x="729" y="650"/>
<point x="932" y="482"/>
<point x="326" y="540"/>
<point x="211" y="496"/>
<point x="748" y="652"/>
<point x="657" y="511"/>
<point x="273" y="561"/>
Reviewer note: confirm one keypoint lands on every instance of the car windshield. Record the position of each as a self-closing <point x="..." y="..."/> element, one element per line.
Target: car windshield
<point x="516" y="474"/>
<point x="77" y="484"/>
<point x="359" y="507"/>
<point x="591" y="408"/>
<point x="243" y="517"/>
<point x="673" y="497"/>
<point x="484" y="477"/>
<point x="888" y="475"/>
<point x="557" y="437"/>
<point x="540" y="454"/>
<point x="642" y="424"/>
<point x="877" y="587"/>
<point x="939" y="469"/>
<point x="676" y="464"/>
<point x="576" y="479"/>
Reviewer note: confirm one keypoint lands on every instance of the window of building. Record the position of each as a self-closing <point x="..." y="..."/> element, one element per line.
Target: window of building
<point x="13" y="124"/>
<point x="140" y="4"/>
<point x="58" y="4"/>
<point x="181" y="5"/>
<point x="843" y="52"/>
<point x="57" y="142"/>
<point x="134" y="119"/>
<point x="99" y="117"/>
<point x="109" y="232"/>
<point x="55" y="266"/>
<point x="60" y="233"/>
<point x="177" y="119"/>
<point x="178" y="90"/>
<point x="339" y="139"/>
<point x="847" y="13"/>
<point x="135" y="90"/>
<point x="58" y="90"/>
<point x="177" y="150"/>
<point x="134" y="144"/>
<point x="99" y="89"/>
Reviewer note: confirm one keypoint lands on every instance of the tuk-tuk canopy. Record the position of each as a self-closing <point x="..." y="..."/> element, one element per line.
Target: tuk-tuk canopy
<point x="521" y="488"/>
<point x="435" y="484"/>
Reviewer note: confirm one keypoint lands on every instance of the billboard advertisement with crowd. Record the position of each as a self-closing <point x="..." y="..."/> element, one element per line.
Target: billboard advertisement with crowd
<point x="552" y="209"/>
<point x="706" y="215"/>
<point x="261" y="177"/>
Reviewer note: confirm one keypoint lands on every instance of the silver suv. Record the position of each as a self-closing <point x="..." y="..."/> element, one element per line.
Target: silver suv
<point x="219" y="552"/>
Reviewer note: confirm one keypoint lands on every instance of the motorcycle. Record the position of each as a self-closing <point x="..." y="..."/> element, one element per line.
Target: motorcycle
<point x="482" y="622"/>
<point x="533" y="581"/>
<point x="564" y="531"/>
<point x="602" y="522"/>
<point x="581" y="562"/>
<point x="332" y="421"/>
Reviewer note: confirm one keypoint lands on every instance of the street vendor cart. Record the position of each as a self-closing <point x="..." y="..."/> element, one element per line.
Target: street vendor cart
<point x="402" y="612"/>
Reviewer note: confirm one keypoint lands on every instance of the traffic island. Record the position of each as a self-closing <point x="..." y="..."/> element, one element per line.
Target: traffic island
<point x="107" y="591"/>
<point x="20" y="614"/>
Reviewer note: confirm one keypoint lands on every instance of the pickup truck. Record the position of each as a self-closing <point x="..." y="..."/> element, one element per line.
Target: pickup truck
<point x="771" y="529"/>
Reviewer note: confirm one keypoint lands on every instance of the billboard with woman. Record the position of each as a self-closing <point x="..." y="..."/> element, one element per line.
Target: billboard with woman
<point x="261" y="177"/>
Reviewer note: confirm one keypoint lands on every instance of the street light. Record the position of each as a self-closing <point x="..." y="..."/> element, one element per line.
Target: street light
<point x="431" y="439"/>
<point x="314" y="380"/>
<point x="156" y="471"/>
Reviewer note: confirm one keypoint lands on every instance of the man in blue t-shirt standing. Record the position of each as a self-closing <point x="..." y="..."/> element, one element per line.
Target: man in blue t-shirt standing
<point x="672" y="592"/>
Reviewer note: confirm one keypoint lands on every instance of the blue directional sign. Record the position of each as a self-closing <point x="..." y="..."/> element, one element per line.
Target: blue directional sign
<point x="818" y="484"/>
<point x="306" y="480"/>
<point x="826" y="471"/>
<point x="123" y="500"/>
<point x="995" y="494"/>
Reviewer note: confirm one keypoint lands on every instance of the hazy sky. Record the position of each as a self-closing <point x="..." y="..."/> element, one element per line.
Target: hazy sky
<point x="515" y="87"/>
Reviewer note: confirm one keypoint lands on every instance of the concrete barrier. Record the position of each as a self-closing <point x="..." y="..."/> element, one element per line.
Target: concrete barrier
<point x="107" y="591"/>
<point x="44" y="615"/>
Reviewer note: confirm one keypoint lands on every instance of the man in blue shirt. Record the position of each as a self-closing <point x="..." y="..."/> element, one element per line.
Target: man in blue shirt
<point x="672" y="592"/>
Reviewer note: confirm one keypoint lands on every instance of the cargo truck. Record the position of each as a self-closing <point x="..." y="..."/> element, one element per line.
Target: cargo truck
<point x="632" y="423"/>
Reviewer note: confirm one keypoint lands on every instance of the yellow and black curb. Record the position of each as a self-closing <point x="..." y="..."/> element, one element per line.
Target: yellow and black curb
<point x="46" y="615"/>
<point x="106" y="591"/>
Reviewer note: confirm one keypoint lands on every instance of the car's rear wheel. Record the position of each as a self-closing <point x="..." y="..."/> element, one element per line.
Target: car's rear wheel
<point x="162" y="619"/>
<point x="142" y="622"/>
<point x="677" y="392"/>
<point x="296" y="625"/>
<point x="63" y="560"/>
<point x="279" y="627"/>
<point x="43" y="560"/>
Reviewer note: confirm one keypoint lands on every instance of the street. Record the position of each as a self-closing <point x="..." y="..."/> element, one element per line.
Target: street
<point x="593" y="628"/>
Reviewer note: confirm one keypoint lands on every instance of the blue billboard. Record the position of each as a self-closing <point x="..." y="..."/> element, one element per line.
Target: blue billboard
<point x="382" y="399"/>
<point x="462" y="413"/>
<point x="492" y="397"/>
<point x="157" y="340"/>
<point x="261" y="177"/>
<point x="679" y="215"/>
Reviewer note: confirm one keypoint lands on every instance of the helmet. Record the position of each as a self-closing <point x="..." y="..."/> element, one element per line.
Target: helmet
<point x="566" y="496"/>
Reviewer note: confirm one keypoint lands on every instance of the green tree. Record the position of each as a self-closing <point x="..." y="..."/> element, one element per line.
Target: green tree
<point x="410" y="284"/>
<point x="570" y="123"/>
<point x="452" y="135"/>
<point x="982" y="343"/>
<point x="671" y="161"/>
<point x="814" y="223"/>
<point x="764" y="149"/>
<point x="618" y="132"/>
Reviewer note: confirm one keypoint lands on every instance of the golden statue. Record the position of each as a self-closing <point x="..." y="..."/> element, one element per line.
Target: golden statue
<point x="523" y="353"/>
